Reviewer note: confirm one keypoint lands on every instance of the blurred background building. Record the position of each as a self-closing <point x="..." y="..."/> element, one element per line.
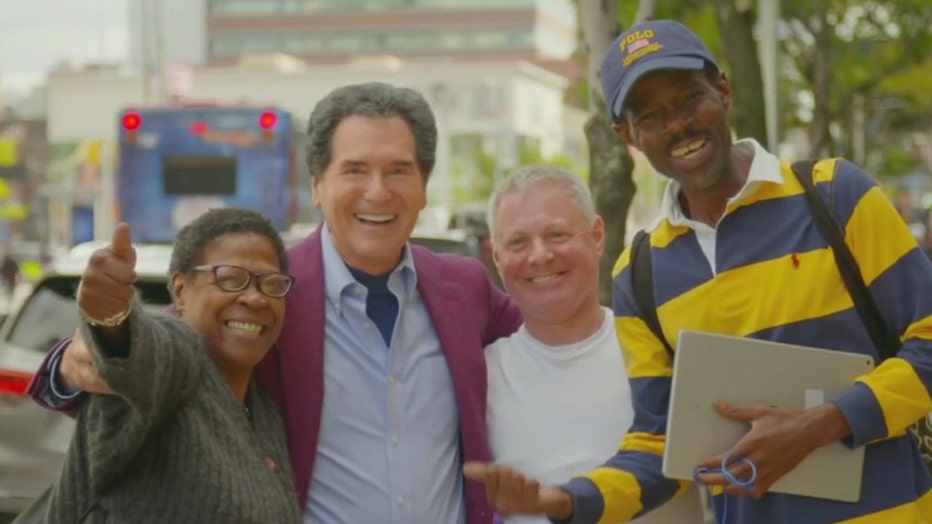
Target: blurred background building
<point x="495" y="73"/>
<point x="333" y="32"/>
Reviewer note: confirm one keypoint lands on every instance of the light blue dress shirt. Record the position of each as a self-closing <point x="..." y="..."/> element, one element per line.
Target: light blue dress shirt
<point x="389" y="448"/>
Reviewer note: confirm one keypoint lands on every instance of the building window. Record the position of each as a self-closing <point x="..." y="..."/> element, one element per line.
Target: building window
<point x="244" y="7"/>
<point x="273" y="7"/>
<point x="519" y="38"/>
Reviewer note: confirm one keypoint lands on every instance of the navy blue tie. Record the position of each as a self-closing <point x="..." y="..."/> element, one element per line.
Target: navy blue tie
<point x="381" y="304"/>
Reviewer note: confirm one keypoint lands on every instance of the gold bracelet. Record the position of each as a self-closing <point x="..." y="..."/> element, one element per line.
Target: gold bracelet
<point x="111" y="321"/>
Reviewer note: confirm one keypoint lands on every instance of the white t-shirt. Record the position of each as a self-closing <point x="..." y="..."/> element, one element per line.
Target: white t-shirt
<point x="555" y="412"/>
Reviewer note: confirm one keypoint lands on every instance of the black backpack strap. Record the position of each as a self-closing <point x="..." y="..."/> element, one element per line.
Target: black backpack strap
<point x="886" y="343"/>
<point x="642" y="285"/>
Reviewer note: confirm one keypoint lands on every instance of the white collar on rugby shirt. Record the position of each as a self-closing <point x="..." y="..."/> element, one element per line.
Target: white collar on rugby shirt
<point x="764" y="168"/>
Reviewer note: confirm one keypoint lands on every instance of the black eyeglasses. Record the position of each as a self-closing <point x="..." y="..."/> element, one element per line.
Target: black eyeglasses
<point x="234" y="279"/>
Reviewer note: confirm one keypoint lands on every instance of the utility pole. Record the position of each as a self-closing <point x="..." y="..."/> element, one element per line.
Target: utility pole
<point x="143" y="50"/>
<point x="768" y="20"/>
<point x="152" y="46"/>
<point x="158" y="19"/>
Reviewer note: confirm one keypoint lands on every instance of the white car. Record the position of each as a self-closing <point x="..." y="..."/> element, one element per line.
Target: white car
<point x="33" y="441"/>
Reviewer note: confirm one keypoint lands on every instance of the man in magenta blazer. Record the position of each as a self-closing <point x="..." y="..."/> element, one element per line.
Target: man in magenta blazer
<point x="467" y="313"/>
<point x="379" y="373"/>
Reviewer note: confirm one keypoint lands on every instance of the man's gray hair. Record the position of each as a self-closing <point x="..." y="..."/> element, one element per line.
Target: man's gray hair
<point x="374" y="99"/>
<point x="528" y="177"/>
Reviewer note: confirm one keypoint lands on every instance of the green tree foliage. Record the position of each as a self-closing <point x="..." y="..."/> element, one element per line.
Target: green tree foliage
<point x="854" y="69"/>
<point x="475" y="185"/>
<point x="854" y="73"/>
<point x="898" y="161"/>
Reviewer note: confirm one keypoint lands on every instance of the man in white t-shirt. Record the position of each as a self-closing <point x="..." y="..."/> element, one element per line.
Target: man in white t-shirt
<point x="558" y="400"/>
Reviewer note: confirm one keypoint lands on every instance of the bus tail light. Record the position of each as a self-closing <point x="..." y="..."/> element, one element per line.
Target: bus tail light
<point x="199" y="128"/>
<point x="131" y="123"/>
<point x="267" y="121"/>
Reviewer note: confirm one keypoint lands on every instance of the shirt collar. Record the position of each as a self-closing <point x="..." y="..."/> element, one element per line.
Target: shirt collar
<point x="765" y="168"/>
<point x="338" y="279"/>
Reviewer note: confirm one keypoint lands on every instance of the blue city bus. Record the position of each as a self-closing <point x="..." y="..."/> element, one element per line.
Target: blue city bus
<point x="177" y="162"/>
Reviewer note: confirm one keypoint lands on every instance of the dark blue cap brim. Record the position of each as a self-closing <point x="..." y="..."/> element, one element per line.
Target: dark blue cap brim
<point x="648" y="65"/>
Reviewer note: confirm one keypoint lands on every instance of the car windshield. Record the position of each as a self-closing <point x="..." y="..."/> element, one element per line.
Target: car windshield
<point x="50" y="313"/>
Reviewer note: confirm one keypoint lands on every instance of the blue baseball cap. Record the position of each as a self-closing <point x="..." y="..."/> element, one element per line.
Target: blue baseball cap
<point x="646" y="47"/>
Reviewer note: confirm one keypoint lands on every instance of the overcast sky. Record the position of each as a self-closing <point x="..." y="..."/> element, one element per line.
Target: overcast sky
<point x="37" y="34"/>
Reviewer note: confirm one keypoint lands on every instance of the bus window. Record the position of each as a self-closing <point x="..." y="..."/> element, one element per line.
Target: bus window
<point x="199" y="175"/>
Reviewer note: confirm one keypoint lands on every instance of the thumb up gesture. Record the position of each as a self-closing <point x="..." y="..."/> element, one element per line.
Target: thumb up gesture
<point x="105" y="295"/>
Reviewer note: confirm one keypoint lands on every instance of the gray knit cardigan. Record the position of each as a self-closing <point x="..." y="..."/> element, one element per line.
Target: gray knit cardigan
<point x="174" y="445"/>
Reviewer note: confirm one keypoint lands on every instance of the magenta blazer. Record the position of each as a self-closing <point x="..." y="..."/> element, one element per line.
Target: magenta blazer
<point x="468" y="313"/>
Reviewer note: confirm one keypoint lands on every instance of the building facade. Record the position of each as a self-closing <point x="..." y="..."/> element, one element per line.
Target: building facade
<point x="323" y="31"/>
<point x="489" y="114"/>
<point x="494" y="71"/>
<point x="164" y="32"/>
<point x="196" y="32"/>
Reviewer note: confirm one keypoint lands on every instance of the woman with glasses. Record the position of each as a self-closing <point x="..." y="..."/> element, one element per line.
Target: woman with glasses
<point x="189" y="436"/>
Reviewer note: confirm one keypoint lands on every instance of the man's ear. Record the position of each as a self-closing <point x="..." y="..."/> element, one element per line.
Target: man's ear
<point x="493" y="247"/>
<point x="724" y="90"/>
<point x="622" y="129"/>
<point x="315" y="190"/>
<point x="598" y="234"/>
<point x="496" y="258"/>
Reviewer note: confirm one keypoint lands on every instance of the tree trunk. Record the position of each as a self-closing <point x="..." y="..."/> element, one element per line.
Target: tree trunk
<point x="736" y="27"/>
<point x="646" y="10"/>
<point x="821" y="84"/>
<point x="613" y="189"/>
<point x="610" y="165"/>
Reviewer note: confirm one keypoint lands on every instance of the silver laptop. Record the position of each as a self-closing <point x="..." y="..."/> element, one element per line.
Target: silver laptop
<point x="743" y="372"/>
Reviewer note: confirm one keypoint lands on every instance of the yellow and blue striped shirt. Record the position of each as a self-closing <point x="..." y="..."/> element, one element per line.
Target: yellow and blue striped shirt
<point x="772" y="276"/>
